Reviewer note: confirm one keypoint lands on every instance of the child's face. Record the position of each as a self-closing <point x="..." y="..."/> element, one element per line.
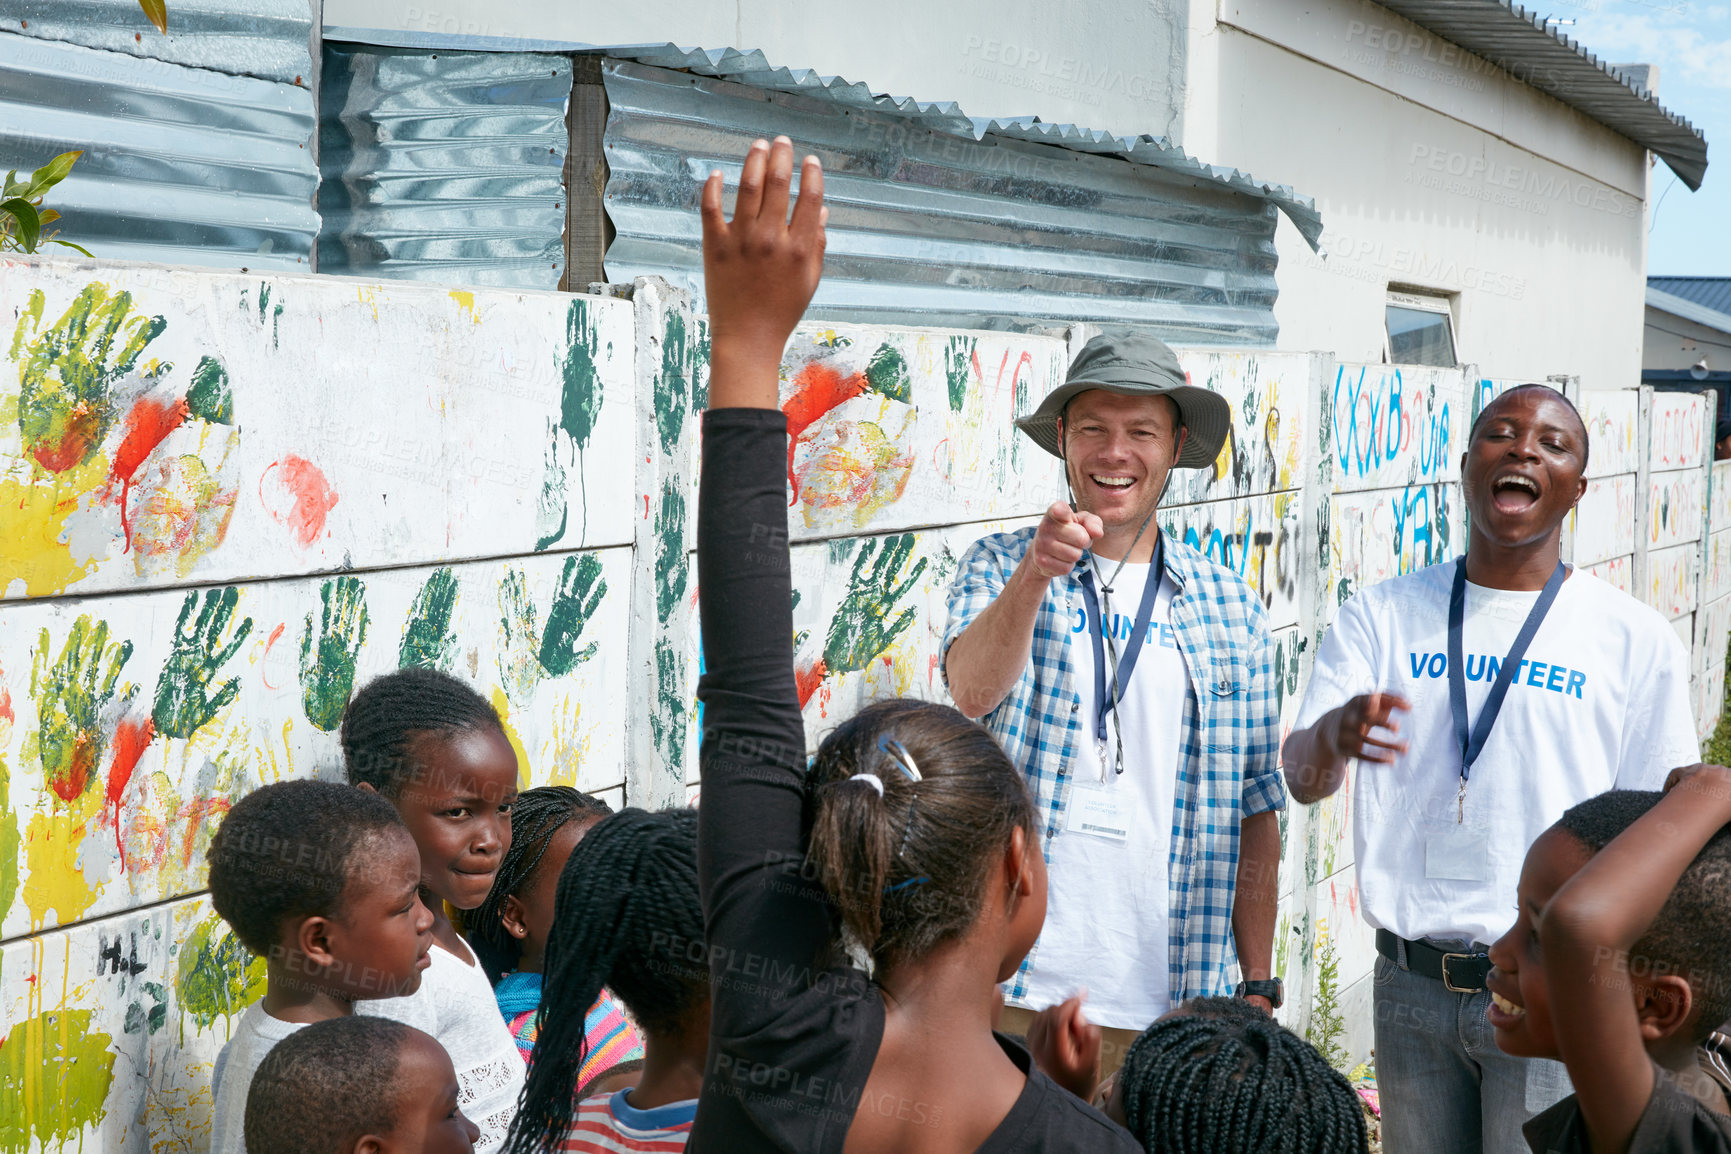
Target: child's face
<point x="528" y="913"/>
<point x="1520" y="1010"/>
<point x="382" y="938"/>
<point x="429" y="1121"/>
<point x="458" y="807"/>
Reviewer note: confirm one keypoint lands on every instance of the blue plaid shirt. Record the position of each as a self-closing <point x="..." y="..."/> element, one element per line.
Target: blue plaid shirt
<point x="1228" y="760"/>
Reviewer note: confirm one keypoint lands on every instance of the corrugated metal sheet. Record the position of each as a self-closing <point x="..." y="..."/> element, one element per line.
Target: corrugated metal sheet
<point x="754" y="68"/>
<point x="931" y="226"/>
<point x="1687" y="309"/>
<point x="443" y="166"/>
<point x="1711" y="292"/>
<point x="180" y="165"/>
<point x="271" y="39"/>
<point x="1518" y="41"/>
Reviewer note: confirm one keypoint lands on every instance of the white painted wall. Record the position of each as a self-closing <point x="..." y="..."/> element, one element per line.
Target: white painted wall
<point x="1431" y="170"/>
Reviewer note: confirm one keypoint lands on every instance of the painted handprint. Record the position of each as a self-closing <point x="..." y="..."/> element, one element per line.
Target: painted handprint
<point x="328" y="653"/>
<point x="427" y="638"/>
<point x="66" y="372"/>
<point x="580" y="590"/>
<point x="862" y="627"/>
<point x="188" y="692"/>
<point x="71" y="694"/>
<point x="519" y="637"/>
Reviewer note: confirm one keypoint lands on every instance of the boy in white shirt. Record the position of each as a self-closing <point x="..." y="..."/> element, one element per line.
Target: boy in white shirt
<point x="322" y="881"/>
<point x="1486" y="697"/>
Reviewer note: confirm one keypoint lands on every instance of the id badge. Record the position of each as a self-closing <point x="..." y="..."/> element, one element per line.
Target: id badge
<point x="1099" y="812"/>
<point x="1457" y="853"/>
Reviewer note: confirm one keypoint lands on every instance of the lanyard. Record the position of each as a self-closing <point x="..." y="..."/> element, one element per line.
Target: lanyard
<point x="1104" y="702"/>
<point x="1473" y="745"/>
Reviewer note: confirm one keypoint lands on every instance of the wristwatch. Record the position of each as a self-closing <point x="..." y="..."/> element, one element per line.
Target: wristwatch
<point x="1271" y="988"/>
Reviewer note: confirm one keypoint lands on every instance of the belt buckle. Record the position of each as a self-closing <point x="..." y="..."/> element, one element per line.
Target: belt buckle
<point x="1449" y="985"/>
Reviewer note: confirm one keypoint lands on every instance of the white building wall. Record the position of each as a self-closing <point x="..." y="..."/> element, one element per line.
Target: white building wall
<point x="1435" y="171"/>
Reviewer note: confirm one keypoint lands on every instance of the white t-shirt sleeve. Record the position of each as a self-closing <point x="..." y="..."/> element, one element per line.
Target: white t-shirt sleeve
<point x="254" y="1036"/>
<point x="1346" y="664"/>
<point x="1660" y="732"/>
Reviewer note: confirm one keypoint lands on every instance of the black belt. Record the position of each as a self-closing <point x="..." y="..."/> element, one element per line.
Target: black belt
<point x="1460" y="973"/>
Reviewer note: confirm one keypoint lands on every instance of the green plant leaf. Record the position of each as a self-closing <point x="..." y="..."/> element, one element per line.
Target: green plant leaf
<point x="156" y="11"/>
<point x="47" y="215"/>
<point x="13" y="185"/>
<point x="69" y="244"/>
<point x="53" y="172"/>
<point x="29" y="224"/>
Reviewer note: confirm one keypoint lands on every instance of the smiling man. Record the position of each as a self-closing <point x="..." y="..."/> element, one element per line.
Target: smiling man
<point x="1130" y="678"/>
<point x="1482" y="698"/>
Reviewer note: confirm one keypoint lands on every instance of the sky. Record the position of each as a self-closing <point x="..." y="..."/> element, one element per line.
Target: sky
<point x="1690" y="41"/>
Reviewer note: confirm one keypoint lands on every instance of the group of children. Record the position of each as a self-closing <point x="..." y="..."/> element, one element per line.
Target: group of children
<point x="810" y="960"/>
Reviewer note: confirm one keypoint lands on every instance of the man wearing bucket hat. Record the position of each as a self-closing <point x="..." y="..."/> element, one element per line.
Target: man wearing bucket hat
<point x="1130" y="678"/>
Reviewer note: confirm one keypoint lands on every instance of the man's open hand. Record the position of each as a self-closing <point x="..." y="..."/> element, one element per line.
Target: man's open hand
<point x="1353" y="733"/>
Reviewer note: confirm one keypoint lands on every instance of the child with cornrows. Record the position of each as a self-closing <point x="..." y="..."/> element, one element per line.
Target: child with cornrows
<point x="510" y="931"/>
<point x="859" y="915"/>
<point x="628" y="917"/>
<point x="436" y="750"/>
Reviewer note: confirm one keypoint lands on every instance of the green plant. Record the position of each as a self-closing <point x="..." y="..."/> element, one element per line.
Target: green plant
<point x="1326" y="1025"/>
<point x="1718" y="746"/>
<point x="22" y="216"/>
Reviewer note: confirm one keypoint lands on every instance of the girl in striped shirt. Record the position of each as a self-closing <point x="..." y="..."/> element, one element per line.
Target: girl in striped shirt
<point x="628" y="918"/>
<point x="509" y="934"/>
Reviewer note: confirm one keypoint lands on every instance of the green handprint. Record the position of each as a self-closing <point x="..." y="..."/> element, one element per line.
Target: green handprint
<point x="519" y="666"/>
<point x="427" y="638"/>
<point x="328" y="663"/>
<point x="70" y="696"/>
<point x="64" y="408"/>
<point x="580" y="590"/>
<point x="862" y="628"/>
<point x="185" y="699"/>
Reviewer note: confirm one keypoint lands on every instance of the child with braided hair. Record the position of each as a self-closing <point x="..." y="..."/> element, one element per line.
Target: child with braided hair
<point x="509" y="932"/>
<point x="1219" y="1076"/>
<point x="627" y="917"/>
<point x="858" y="915"/>
<point x="436" y="750"/>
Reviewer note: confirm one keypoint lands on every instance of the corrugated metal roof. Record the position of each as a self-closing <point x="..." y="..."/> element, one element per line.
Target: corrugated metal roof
<point x="271" y="39"/>
<point x="753" y="68"/>
<point x="1711" y="292"/>
<point x="1687" y="309"/>
<point x="180" y="165"/>
<point x="1518" y="41"/>
<point x="444" y="165"/>
<point x="931" y="227"/>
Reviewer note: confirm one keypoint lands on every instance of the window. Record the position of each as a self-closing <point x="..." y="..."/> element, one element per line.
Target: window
<point x="1420" y="330"/>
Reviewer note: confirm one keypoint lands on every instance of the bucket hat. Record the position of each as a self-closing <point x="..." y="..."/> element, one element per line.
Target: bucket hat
<point x="1136" y="365"/>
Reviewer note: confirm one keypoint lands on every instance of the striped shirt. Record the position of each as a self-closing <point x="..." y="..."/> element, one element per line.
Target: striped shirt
<point x="608" y="1038"/>
<point x="608" y="1124"/>
<point x="1228" y="766"/>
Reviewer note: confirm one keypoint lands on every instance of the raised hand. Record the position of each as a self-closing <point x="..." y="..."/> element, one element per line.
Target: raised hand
<point x="862" y="627"/>
<point x="328" y="661"/>
<point x="760" y="270"/>
<point x="184" y="690"/>
<point x="1061" y="539"/>
<point x="1353" y="732"/>
<point x="70" y="696"/>
<point x="427" y="638"/>
<point x="580" y="590"/>
<point x="65" y="373"/>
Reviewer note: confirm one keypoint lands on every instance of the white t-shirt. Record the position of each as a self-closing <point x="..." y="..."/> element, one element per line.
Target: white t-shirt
<point x="1108" y="897"/>
<point x="254" y="1036"/>
<point x="1601" y="702"/>
<point x="455" y="1004"/>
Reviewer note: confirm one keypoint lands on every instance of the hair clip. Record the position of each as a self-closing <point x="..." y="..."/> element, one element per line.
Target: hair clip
<point x="898" y="753"/>
<point x="870" y="779"/>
